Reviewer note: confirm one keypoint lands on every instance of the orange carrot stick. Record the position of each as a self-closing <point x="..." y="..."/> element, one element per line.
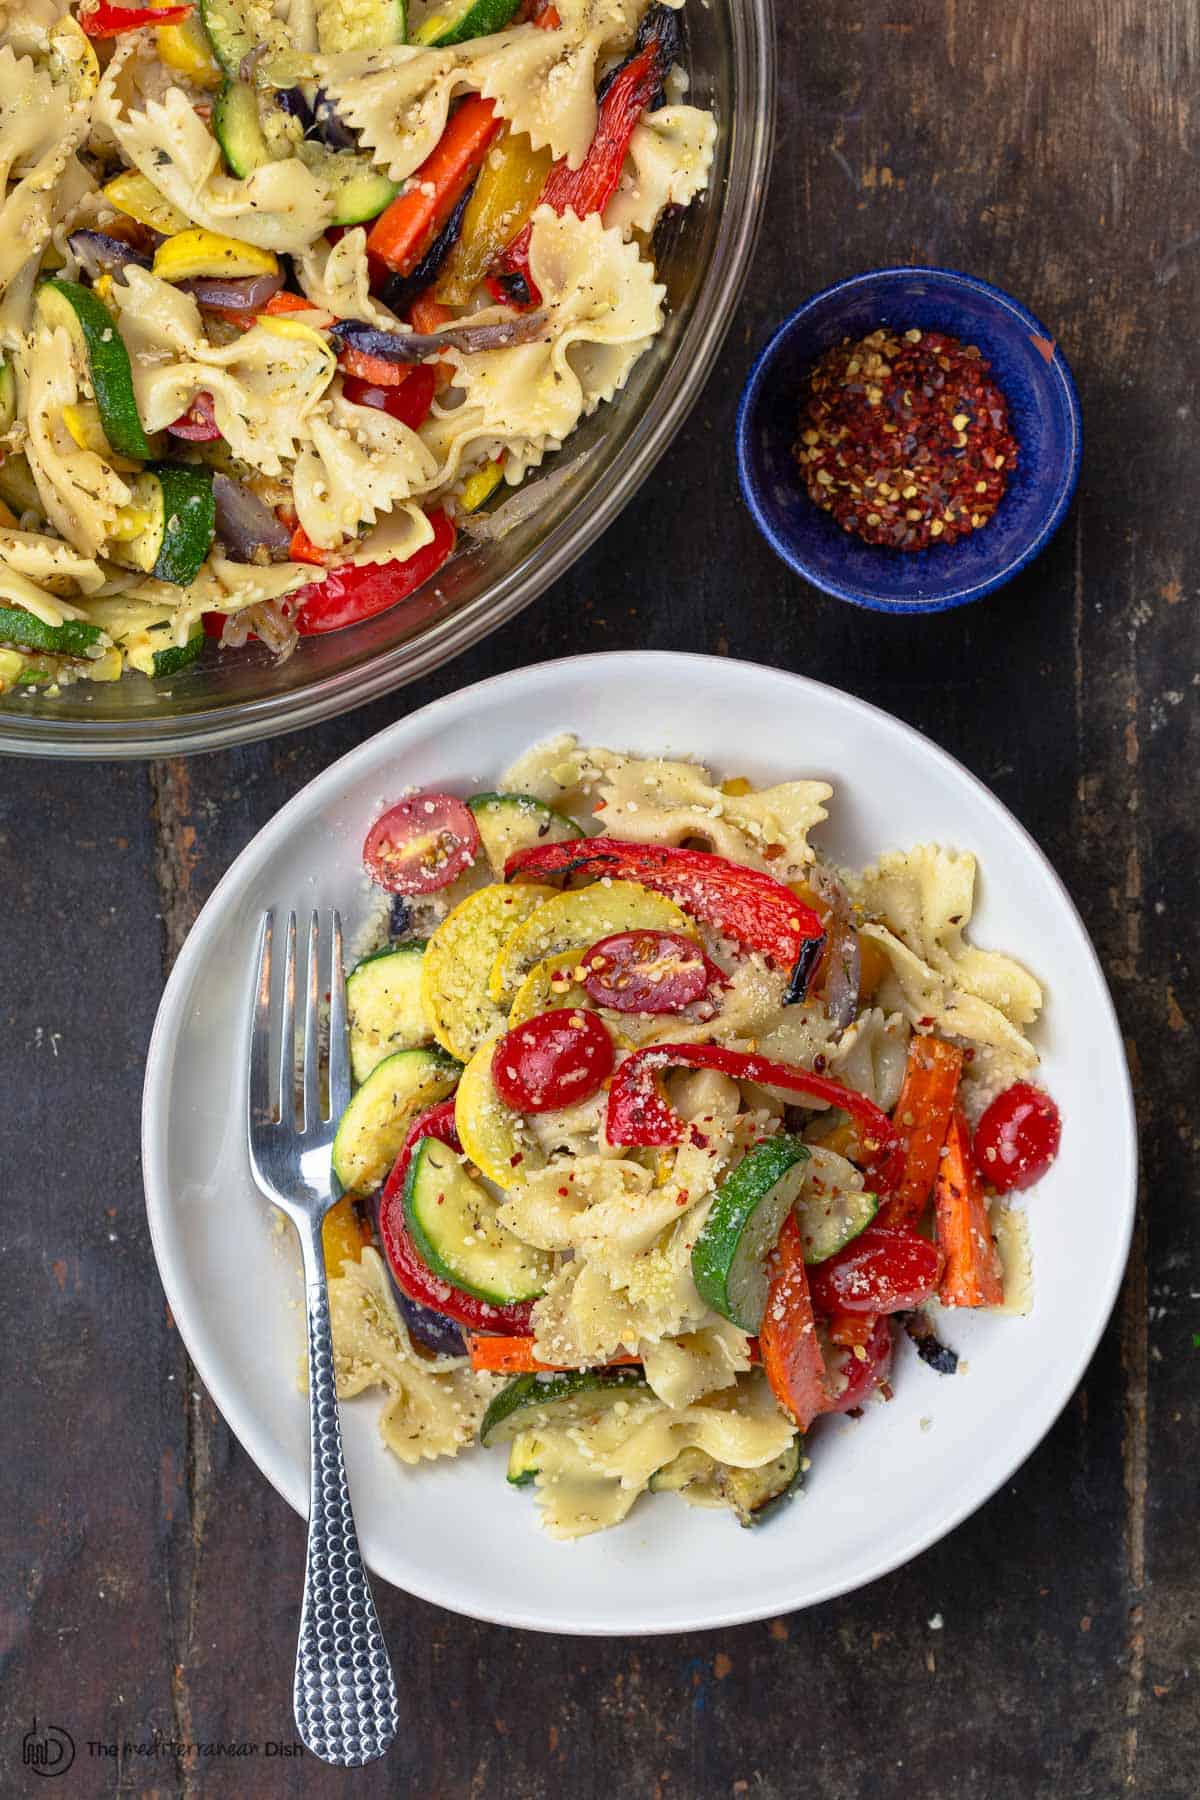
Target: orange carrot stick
<point x="514" y="1355"/>
<point x="922" y="1118"/>
<point x="399" y="234"/>
<point x="972" y="1275"/>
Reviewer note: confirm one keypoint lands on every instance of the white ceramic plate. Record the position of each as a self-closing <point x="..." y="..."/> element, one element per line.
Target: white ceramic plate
<point x="452" y="1532"/>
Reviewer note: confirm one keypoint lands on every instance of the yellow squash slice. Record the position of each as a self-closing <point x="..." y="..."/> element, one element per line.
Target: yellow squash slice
<point x="458" y="959"/>
<point x="576" y="921"/>
<point x="491" y="1133"/>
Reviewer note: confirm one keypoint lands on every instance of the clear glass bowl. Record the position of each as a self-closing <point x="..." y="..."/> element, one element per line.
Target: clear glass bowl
<point x="702" y="255"/>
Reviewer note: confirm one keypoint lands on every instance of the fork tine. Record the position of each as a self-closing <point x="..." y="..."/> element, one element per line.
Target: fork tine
<point x="312" y="1035"/>
<point x="287" y="1046"/>
<point x="260" y="1106"/>
<point x="339" y="1047"/>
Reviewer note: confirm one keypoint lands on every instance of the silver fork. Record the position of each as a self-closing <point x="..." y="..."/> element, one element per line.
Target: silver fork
<point x="345" y="1693"/>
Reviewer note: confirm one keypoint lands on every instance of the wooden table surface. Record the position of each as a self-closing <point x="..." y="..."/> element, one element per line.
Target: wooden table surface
<point x="150" y="1576"/>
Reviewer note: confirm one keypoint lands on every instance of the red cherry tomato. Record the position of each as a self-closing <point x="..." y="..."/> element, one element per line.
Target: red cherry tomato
<point x="861" y="1374"/>
<point x="1017" y="1138"/>
<point x="421" y="844"/>
<point x="552" y="1061"/>
<point x="648" y="972"/>
<point x="409" y="402"/>
<point x="885" y="1269"/>
<point x="199" y="423"/>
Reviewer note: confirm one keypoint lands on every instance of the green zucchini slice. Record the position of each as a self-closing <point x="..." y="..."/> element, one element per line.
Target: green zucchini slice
<point x="753" y="1495"/>
<point x="360" y="25"/>
<point x="552" y="1401"/>
<point x="8" y="396"/>
<point x="358" y="190"/>
<point x="177" y="499"/>
<point x="729" y="1261"/>
<point x="94" y="329"/>
<point x="452" y="1219"/>
<point x="372" y="1130"/>
<point x="511" y="822"/>
<point x="145" y="635"/>
<point x="235" y="27"/>
<point x="238" y="128"/>
<point x="74" y="637"/>
<point x="383" y="998"/>
<point x="831" y="1220"/>
<point x="458" y="20"/>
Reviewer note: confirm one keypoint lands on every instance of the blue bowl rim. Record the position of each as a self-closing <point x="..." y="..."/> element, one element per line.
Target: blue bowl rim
<point x="1058" y="503"/>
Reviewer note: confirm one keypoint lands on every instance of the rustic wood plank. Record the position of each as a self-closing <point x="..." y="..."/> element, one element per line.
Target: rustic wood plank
<point x="1051" y="150"/>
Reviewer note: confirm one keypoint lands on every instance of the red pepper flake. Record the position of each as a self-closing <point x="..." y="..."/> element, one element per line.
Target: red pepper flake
<point x="904" y="438"/>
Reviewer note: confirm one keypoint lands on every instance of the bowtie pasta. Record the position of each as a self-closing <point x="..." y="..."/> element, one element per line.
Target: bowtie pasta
<point x="663" y="1126"/>
<point x="292" y="289"/>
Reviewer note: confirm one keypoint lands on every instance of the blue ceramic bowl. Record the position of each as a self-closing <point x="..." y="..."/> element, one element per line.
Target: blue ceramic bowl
<point x="1043" y="416"/>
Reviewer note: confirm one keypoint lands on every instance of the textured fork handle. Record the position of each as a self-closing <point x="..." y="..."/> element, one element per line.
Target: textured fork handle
<point x="345" y="1693"/>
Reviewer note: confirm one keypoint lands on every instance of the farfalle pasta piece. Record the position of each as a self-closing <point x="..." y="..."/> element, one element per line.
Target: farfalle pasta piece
<point x="80" y="494"/>
<point x="44" y="110"/>
<point x="265" y="385"/>
<point x="683" y="1369"/>
<point x="591" y="1473"/>
<point x="602" y="307"/>
<point x="47" y="560"/>
<point x="281" y="206"/>
<point x="668" y="163"/>
<point x="358" y="462"/>
<point x="433" y="1404"/>
<point x="336" y="278"/>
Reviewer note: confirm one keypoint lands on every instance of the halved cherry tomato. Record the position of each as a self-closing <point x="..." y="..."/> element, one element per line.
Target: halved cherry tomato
<point x="648" y="972"/>
<point x="421" y="844"/>
<point x="409" y="402"/>
<point x="418" y="1281"/>
<point x="199" y="423"/>
<point x="552" y="1060"/>
<point x="1017" y="1138"/>
<point x="861" y="1374"/>
<point x="885" y="1269"/>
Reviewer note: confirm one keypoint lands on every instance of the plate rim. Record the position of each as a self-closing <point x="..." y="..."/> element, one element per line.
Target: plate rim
<point x="292" y="1484"/>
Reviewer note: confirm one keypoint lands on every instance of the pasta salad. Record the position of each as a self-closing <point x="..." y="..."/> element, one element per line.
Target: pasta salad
<point x="664" y="1126"/>
<point x="291" y="289"/>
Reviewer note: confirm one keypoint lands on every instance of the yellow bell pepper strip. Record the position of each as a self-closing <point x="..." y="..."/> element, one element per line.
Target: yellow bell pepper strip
<point x="107" y="21"/>
<point x="185" y="47"/>
<point x="639" y="1113"/>
<point x="401" y="233"/>
<point x="480" y="486"/>
<point x="747" y="905"/>
<point x="506" y="192"/>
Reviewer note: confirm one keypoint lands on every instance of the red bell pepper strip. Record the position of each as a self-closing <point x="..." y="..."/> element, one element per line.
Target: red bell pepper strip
<point x="302" y="549"/>
<point x="110" y="21"/>
<point x="409" y="402"/>
<point x="922" y="1117"/>
<point x="751" y="907"/>
<point x="399" y="234"/>
<point x="426" y="314"/>
<point x="638" y="1113"/>
<point x="357" y="591"/>
<point x="590" y="187"/>
<point x="418" y="1281"/>
<point x="787" y="1338"/>
<point x="972" y="1276"/>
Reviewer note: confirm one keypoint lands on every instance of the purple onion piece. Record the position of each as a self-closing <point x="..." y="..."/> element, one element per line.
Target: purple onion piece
<point x="241" y="293"/>
<point x="245" y="526"/>
<point x="330" y="127"/>
<point x="99" y="254"/>
<point x="432" y="1329"/>
<point x="839" y="990"/>
<point x="293" y="102"/>
<point x="413" y="346"/>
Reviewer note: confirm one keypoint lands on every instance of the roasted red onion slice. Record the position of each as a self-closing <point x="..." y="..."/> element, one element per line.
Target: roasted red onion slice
<point x="99" y="254"/>
<point x="242" y="293"/>
<point x="199" y="423"/>
<point x="249" y="530"/>
<point x="413" y="346"/>
<point x="841" y="964"/>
